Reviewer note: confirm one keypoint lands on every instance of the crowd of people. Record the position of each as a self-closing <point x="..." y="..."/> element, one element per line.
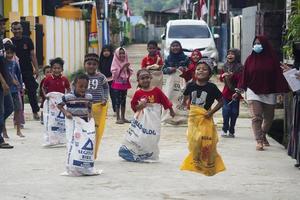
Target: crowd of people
<point x="108" y="75"/>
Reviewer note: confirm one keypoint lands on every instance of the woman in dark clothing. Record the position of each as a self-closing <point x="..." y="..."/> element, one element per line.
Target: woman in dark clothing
<point x="262" y="78"/>
<point x="106" y="58"/>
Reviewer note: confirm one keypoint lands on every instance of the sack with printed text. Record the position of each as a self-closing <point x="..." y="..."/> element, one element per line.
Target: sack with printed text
<point x="173" y="88"/>
<point x="142" y="137"/>
<point x="80" y="147"/>
<point x="202" y="138"/>
<point x="54" y="120"/>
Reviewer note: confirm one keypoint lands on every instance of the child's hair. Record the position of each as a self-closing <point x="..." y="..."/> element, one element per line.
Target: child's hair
<point x="80" y="76"/>
<point x="208" y="62"/>
<point x="57" y="60"/>
<point x="237" y="54"/>
<point x="9" y="47"/>
<point x="45" y="68"/>
<point x="152" y="42"/>
<point x="91" y="56"/>
<point x="140" y="72"/>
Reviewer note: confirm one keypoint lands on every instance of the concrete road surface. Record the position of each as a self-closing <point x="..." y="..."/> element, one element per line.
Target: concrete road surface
<point x="30" y="171"/>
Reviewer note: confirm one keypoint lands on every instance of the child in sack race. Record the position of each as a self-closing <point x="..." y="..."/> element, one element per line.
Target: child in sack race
<point x="202" y="135"/>
<point x="99" y="89"/>
<point x="80" y="128"/>
<point x="141" y="140"/>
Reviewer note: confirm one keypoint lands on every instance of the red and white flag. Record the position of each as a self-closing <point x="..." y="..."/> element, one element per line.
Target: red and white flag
<point x="201" y="9"/>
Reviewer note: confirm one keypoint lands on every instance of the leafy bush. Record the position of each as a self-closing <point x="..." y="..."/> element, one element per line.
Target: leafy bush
<point x="293" y="31"/>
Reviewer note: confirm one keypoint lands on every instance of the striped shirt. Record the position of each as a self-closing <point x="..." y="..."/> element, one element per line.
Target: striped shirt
<point x="98" y="87"/>
<point x="77" y="105"/>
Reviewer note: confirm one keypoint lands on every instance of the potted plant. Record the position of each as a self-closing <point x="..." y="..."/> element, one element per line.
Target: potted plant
<point x="292" y="36"/>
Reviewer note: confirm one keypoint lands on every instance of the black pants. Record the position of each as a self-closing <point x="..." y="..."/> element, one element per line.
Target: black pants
<point x="120" y="98"/>
<point x="112" y="96"/>
<point x="31" y="86"/>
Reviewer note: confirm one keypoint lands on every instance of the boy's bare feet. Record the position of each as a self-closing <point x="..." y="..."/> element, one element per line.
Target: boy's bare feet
<point x="20" y="134"/>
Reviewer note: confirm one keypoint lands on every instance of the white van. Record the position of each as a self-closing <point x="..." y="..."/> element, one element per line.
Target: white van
<point x="192" y="34"/>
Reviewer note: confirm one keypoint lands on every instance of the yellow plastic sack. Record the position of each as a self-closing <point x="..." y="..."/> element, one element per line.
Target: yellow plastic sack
<point x="99" y="114"/>
<point x="202" y="138"/>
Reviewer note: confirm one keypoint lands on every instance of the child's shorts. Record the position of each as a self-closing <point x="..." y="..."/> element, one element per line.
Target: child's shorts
<point x="16" y="101"/>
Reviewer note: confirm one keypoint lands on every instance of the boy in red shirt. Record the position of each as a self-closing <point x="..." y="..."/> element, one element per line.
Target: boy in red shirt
<point x="154" y="63"/>
<point x="56" y="82"/>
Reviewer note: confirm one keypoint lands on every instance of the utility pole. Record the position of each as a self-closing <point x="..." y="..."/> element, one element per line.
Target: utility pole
<point x="180" y="12"/>
<point x="208" y="12"/>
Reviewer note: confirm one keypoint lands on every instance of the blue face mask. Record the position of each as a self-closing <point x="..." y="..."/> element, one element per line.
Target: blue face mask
<point x="257" y="48"/>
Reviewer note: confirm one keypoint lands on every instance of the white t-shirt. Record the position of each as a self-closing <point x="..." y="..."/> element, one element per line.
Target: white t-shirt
<point x="265" y="98"/>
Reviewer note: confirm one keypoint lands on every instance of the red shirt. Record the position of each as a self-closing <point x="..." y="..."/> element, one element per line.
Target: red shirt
<point x="151" y="61"/>
<point x="153" y="96"/>
<point x="56" y="84"/>
<point x="227" y="93"/>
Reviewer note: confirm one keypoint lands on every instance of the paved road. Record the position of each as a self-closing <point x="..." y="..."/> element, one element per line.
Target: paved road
<point x="30" y="171"/>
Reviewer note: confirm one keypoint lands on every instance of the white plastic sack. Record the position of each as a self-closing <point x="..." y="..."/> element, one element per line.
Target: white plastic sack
<point x="173" y="88"/>
<point x="142" y="137"/>
<point x="54" y="120"/>
<point x="80" y="147"/>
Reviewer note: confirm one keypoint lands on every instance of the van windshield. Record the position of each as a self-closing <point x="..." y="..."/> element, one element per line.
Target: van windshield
<point x="188" y="31"/>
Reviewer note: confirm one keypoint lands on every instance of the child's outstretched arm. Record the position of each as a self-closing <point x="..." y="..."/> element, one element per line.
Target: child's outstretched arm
<point x="172" y="113"/>
<point x="211" y="112"/>
<point x="106" y="92"/>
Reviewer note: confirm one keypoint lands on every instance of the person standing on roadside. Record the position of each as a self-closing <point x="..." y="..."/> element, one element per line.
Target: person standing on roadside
<point x="262" y="80"/>
<point x="27" y="59"/>
<point x="4" y="88"/>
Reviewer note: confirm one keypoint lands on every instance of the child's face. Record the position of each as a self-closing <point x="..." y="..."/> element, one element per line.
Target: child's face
<point x="175" y="48"/>
<point x="9" y="54"/>
<point x="81" y="86"/>
<point x="48" y="71"/>
<point x="57" y="69"/>
<point x="91" y="66"/>
<point x="152" y="49"/>
<point x="106" y="53"/>
<point x="122" y="55"/>
<point x="202" y="72"/>
<point x="230" y="57"/>
<point x="195" y="57"/>
<point x="144" y="81"/>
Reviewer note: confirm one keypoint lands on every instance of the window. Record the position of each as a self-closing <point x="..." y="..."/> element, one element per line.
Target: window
<point x="188" y="31"/>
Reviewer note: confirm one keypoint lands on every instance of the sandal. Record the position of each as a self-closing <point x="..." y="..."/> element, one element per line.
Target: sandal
<point x="20" y="135"/>
<point x="5" y="146"/>
<point x="126" y="121"/>
<point x="119" y="121"/>
<point x="266" y="142"/>
<point x="259" y="146"/>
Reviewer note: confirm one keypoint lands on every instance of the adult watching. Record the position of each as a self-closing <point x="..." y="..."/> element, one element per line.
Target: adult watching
<point x="27" y="59"/>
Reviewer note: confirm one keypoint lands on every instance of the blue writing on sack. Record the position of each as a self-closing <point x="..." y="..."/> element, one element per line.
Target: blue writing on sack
<point x="83" y="164"/>
<point x="135" y="123"/>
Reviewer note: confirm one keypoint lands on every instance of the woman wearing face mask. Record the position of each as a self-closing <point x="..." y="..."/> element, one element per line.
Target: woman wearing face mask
<point x="262" y="79"/>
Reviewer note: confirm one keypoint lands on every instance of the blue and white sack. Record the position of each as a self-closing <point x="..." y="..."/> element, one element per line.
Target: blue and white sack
<point x="54" y="120"/>
<point x="142" y="137"/>
<point x="80" y="147"/>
